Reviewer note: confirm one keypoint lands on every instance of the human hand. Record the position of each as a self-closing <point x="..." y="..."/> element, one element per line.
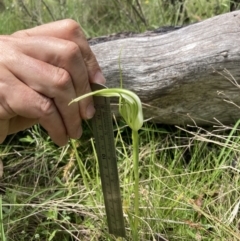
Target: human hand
<point x="42" y="69"/>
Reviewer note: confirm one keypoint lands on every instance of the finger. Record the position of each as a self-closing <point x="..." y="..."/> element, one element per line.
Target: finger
<point x="69" y="30"/>
<point x="4" y="126"/>
<point x="56" y="84"/>
<point x="66" y="55"/>
<point x="20" y="123"/>
<point x="25" y="102"/>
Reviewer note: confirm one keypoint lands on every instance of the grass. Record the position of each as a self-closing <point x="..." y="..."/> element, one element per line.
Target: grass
<point x="186" y="191"/>
<point x="101" y="17"/>
<point x="189" y="176"/>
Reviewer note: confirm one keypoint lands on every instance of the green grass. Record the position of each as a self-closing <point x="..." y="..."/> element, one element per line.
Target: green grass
<point x="189" y="177"/>
<point x="100" y="17"/>
<point x="186" y="190"/>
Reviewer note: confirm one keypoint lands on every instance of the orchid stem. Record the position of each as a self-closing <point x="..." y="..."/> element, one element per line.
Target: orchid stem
<point x="136" y="184"/>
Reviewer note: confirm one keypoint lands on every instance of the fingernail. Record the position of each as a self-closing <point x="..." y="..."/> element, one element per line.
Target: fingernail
<point x="99" y="78"/>
<point x="90" y="111"/>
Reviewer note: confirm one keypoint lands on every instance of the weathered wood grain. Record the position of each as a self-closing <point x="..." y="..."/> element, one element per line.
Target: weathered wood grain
<point x="177" y="74"/>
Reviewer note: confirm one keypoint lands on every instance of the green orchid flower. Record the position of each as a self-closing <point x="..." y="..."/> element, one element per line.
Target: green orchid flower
<point x="130" y="106"/>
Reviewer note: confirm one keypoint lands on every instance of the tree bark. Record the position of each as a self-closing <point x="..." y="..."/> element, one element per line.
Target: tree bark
<point x="184" y="76"/>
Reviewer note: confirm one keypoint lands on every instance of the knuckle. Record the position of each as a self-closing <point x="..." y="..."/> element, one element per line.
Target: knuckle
<point x="20" y="33"/>
<point x="62" y="80"/>
<point x="73" y="27"/>
<point x="46" y="107"/>
<point x="89" y="57"/>
<point x="72" y="50"/>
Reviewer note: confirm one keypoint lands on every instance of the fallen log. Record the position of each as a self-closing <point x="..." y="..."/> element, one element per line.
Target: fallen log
<point x="189" y="74"/>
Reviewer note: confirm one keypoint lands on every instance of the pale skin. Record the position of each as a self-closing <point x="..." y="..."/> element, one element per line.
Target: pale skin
<point x="41" y="70"/>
